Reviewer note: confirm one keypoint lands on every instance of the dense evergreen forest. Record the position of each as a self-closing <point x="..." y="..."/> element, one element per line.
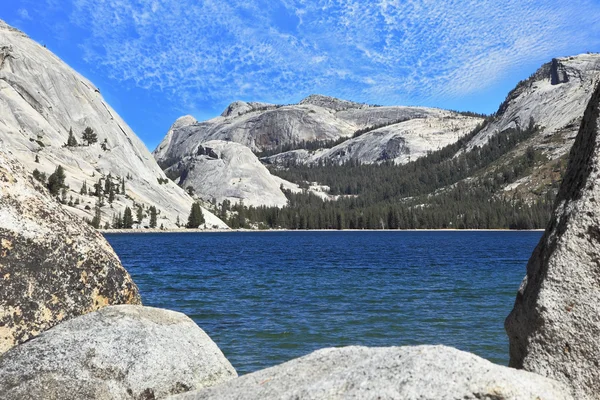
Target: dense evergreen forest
<point x="445" y="189"/>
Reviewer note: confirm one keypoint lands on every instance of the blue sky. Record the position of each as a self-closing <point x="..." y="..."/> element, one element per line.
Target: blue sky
<point x="155" y="60"/>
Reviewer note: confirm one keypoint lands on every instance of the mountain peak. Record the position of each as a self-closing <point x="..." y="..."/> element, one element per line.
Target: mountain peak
<point x="239" y="107"/>
<point x="331" y="103"/>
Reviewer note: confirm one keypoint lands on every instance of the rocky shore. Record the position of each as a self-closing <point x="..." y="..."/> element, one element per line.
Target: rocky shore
<point x="72" y="327"/>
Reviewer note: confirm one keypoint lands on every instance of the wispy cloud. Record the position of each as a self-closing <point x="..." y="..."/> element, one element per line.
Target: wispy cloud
<point x="211" y="51"/>
<point x="23" y="13"/>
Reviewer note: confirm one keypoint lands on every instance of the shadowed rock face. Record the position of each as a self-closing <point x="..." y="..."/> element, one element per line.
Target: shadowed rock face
<point x="119" y="352"/>
<point x="419" y="372"/>
<point x="52" y="267"/>
<point x="554" y="327"/>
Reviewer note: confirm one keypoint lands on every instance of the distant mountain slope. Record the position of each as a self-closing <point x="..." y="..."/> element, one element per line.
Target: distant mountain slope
<point x="400" y="142"/>
<point x="228" y="171"/>
<point x="317" y="118"/>
<point x="41" y="99"/>
<point x="554" y="98"/>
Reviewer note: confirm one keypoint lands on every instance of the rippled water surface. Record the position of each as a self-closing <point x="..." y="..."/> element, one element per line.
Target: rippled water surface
<point x="267" y="297"/>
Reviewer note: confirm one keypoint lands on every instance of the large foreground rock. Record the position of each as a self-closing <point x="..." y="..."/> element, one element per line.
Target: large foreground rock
<point x="119" y="352"/>
<point x="421" y="372"/>
<point x="52" y="266"/>
<point x="554" y="328"/>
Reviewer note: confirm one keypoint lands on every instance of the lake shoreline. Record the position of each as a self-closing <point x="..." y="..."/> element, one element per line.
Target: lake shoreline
<point x="185" y="230"/>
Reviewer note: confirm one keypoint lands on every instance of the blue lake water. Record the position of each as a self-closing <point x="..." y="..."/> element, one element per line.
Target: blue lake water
<point x="267" y="297"/>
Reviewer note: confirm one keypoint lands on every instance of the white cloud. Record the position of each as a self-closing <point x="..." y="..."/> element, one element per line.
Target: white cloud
<point x="211" y="51"/>
<point x="23" y="13"/>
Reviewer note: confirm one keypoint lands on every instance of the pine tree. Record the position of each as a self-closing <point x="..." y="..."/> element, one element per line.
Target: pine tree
<point x="123" y="186"/>
<point x="98" y="188"/>
<point x="84" y="189"/>
<point x="153" y="217"/>
<point x="117" y="222"/>
<point x="111" y="195"/>
<point x="37" y="159"/>
<point x="71" y="141"/>
<point x="89" y="136"/>
<point x="127" y="218"/>
<point x="140" y="214"/>
<point x="97" y="220"/>
<point x="196" y="218"/>
<point x="40" y="176"/>
<point x="56" y="181"/>
<point x="178" y="222"/>
<point x="107" y="183"/>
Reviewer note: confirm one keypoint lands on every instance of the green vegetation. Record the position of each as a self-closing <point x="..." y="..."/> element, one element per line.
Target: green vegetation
<point x="196" y="218"/>
<point x="97" y="220"/>
<point x="89" y="136"/>
<point x="56" y="181"/>
<point x="153" y="217"/>
<point x="39" y="176"/>
<point x="71" y="141"/>
<point x="127" y="219"/>
<point x="445" y="189"/>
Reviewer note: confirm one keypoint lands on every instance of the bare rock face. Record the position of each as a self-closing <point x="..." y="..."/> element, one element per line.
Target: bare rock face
<point x="320" y="118"/>
<point x="52" y="267"/>
<point x="119" y="352"/>
<point x="554" y="327"/>
<point x="553" y="98"/>
<point x="222" y="170"/>
<point x="420" y="372"/>
<point x="42" y="99"/>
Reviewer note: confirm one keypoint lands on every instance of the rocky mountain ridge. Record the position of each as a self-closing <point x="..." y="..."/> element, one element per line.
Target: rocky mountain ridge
<point x="317" y="119"/>
<point x="42" y="99"/>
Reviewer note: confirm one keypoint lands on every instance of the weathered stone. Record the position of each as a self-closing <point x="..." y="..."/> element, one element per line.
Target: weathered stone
<point x="554" y="327"/>
<point x="420" y="372"/>
<point x="42" y="98"/>
<point x="221" y="170"/>
<point x="118" y="352"/>
<point x="52" y="266"/>
<point x="319" y="118"/>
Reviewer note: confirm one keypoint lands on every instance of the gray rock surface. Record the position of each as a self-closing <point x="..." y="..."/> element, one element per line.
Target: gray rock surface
<point x="420" y="372"/>
<point x="118" y="352"/>
<point x="554" y="97"/>
<point x="42" y="98"/>
<point x="554" y="327"/>
<point x="228" y="171"/>
<point x="401" y="142"/>
<point x="321" y="118"/>
<point x="52" y="266"/>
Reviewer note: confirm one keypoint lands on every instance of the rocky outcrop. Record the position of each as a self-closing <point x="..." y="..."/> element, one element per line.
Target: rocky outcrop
<point x="41" y="99"/>
<point x="119" y="352"/>
<point x="221" y="171"/>
<point x="52" y="267"/>
<point x="332" y="103"/>
<point x="420" y="372"/>
<point x="399" y="142"/>
<point x="553" y="98"/>
<point x="321" y="118"/>
<point x="238" y="108"/>
<point x="554" y="327"/>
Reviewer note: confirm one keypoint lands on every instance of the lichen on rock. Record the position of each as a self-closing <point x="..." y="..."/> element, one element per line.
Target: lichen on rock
<point x="53" y="266"/>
